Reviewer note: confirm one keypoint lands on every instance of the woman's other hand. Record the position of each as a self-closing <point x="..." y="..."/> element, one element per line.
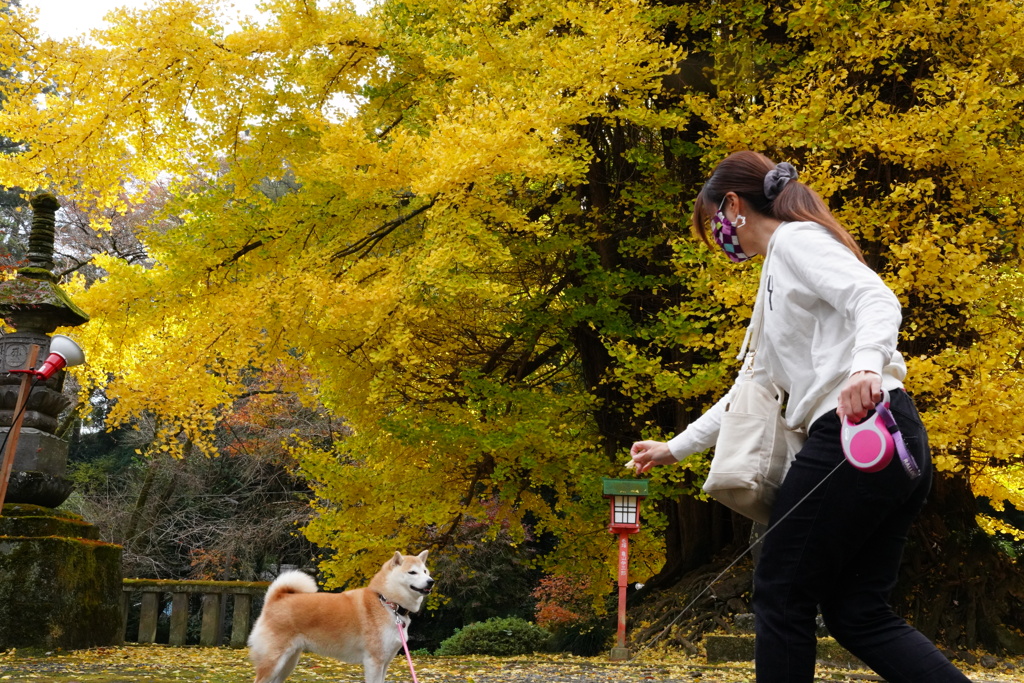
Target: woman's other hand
<point x="647" y="454"/>
<point x="859" y="395"/>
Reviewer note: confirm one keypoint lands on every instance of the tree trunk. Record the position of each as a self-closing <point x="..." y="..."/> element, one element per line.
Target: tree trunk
<point x="697" y="532"/>
<point x="128" y="538"/>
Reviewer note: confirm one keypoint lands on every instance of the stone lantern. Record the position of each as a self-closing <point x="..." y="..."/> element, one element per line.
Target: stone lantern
<point x="35" y="306"/>
<point x="60" y="586"/>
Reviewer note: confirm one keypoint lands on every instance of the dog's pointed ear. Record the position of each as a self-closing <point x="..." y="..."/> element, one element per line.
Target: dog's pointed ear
<point x="397" y="559"/>
<point x="423" y="556"/>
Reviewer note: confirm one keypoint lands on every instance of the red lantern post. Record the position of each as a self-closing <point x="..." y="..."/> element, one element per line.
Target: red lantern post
<point x="625" y="496"/>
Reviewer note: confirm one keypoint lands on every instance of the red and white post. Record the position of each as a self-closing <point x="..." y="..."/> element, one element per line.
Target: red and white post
<point x="625" y="496"/>
<point x="623" y="582"/>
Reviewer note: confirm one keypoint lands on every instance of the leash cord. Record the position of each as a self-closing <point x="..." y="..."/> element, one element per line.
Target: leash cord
<point x="405" y="646"/>
<point x="738" y="558"/>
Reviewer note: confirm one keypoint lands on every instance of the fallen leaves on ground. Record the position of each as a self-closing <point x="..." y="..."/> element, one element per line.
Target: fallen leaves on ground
<point x="163" y="664"/>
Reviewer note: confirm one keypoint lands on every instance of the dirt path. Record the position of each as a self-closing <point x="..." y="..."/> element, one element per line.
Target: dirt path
<point x="162" y="664"/>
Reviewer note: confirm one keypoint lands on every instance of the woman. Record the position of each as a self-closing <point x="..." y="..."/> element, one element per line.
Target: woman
<point x="829" y="340"/>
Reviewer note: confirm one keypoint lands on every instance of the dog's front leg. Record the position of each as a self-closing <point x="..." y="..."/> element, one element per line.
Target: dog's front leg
<point x="375" y="670"/>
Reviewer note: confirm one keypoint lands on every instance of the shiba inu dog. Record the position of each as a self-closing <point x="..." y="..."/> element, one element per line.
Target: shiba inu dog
<point x="357" y="626"/>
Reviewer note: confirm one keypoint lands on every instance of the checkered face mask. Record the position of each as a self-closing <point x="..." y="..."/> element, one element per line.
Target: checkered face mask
<point x="724" y="232"/>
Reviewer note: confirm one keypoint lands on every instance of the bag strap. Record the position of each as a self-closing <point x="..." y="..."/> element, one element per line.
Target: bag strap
<point x="753" y="334"/>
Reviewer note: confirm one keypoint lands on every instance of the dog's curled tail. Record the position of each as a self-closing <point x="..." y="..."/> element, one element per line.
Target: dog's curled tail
<point x="290" y="582"/>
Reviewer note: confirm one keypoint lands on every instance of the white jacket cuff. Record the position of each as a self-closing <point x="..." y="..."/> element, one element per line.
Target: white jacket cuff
<point x="872" y="360"/>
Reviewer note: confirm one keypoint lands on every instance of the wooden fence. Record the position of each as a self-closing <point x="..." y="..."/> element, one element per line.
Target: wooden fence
<point x="214" y="594"/>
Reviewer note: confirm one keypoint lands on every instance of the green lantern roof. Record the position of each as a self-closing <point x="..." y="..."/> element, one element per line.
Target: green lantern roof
<point x="625" y="487"/>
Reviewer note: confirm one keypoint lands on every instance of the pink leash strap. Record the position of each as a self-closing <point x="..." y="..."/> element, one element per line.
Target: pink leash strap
<point x="405" y="646"/>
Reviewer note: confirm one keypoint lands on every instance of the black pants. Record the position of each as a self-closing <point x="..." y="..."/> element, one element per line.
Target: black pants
<point x="840" y="549"/>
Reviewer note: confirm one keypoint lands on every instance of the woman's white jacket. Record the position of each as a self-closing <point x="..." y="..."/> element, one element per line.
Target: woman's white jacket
<point x="826" y="316"/>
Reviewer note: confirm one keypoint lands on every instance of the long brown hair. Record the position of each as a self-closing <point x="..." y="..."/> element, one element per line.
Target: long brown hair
<point x="744" y="173"/>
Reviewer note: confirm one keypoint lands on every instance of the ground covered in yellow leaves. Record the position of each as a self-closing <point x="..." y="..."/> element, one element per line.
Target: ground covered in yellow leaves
<point x="161" y="664"/>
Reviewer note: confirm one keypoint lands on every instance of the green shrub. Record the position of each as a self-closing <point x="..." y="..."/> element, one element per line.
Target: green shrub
<point x="498" y="637"/>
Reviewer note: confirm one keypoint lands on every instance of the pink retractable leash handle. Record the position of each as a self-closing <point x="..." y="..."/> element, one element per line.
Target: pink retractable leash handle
<point x="870" y="444"/>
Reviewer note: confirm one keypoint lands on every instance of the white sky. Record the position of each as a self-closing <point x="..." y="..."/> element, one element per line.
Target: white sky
<point x="66" y="18"/>
<point x="60" y="19"/>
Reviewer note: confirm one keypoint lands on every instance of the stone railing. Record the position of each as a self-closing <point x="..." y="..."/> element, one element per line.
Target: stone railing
<point x="214" y="602"/>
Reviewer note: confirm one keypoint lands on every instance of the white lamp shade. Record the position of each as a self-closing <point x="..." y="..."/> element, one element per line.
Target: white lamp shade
<point x="625" y="510"/>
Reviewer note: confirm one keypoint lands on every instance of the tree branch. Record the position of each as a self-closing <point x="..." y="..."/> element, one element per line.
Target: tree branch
<point x="364" y="245"/>
<point x="237" y="255"/>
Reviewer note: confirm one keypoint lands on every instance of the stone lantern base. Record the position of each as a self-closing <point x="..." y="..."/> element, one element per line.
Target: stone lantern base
<point x="60" y="587"/>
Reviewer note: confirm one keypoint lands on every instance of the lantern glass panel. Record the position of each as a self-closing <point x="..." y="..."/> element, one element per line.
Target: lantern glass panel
<point x="625" y="509"/>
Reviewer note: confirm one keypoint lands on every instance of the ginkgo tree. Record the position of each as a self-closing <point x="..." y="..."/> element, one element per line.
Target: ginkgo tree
<point x="463" y="226"/>
<point x="449" y="349"/>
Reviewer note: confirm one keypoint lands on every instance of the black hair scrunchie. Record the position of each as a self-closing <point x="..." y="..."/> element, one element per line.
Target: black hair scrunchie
<point x="777" y="178"/>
